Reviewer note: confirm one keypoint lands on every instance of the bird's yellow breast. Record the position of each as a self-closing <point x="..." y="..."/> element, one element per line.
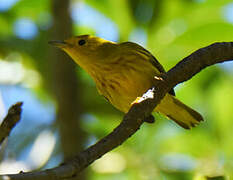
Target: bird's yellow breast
<point x="122" y="87"/>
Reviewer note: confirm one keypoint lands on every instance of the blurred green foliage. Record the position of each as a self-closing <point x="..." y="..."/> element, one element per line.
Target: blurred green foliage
<point x="172" y="30"/>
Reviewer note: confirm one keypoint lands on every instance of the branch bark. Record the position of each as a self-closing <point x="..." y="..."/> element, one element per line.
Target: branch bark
<point x="183" y="71"/>
<point x="9" y="122"/>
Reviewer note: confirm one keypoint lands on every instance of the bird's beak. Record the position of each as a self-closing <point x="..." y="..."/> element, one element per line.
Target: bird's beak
<point x="59" y="44"/>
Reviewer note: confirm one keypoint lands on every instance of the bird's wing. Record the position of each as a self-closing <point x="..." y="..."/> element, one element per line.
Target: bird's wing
<point x="152" y="59"/>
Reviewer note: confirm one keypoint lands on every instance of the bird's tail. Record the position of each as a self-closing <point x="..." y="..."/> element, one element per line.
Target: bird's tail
<point x="178" y="112"/>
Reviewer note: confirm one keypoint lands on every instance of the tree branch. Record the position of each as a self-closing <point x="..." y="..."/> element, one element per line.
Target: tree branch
<point x="183" y="71"/>
<point x="9" y="122"/>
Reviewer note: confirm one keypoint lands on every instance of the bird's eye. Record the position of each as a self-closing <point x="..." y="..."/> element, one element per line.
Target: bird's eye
<point x="81" y="42"/>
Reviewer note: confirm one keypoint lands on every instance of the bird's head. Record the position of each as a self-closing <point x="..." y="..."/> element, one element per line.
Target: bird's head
<point x="86" y="50"/>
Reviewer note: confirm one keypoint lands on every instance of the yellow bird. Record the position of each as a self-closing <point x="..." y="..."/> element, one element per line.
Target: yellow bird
<point x="124" y="71"/>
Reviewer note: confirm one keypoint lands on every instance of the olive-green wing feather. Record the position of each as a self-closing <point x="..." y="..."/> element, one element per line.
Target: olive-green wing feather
<point x="152" y="59"/>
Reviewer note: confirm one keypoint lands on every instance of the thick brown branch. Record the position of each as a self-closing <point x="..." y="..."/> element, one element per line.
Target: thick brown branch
<point x="184" y="70"/>
<point x="11" y="119"/>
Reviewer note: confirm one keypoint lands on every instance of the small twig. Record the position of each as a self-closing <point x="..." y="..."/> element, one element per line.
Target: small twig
<point x="11" y="119"/>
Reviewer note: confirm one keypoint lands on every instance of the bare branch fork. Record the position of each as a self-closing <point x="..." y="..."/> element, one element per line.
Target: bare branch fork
<point x="183" y="71"/>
